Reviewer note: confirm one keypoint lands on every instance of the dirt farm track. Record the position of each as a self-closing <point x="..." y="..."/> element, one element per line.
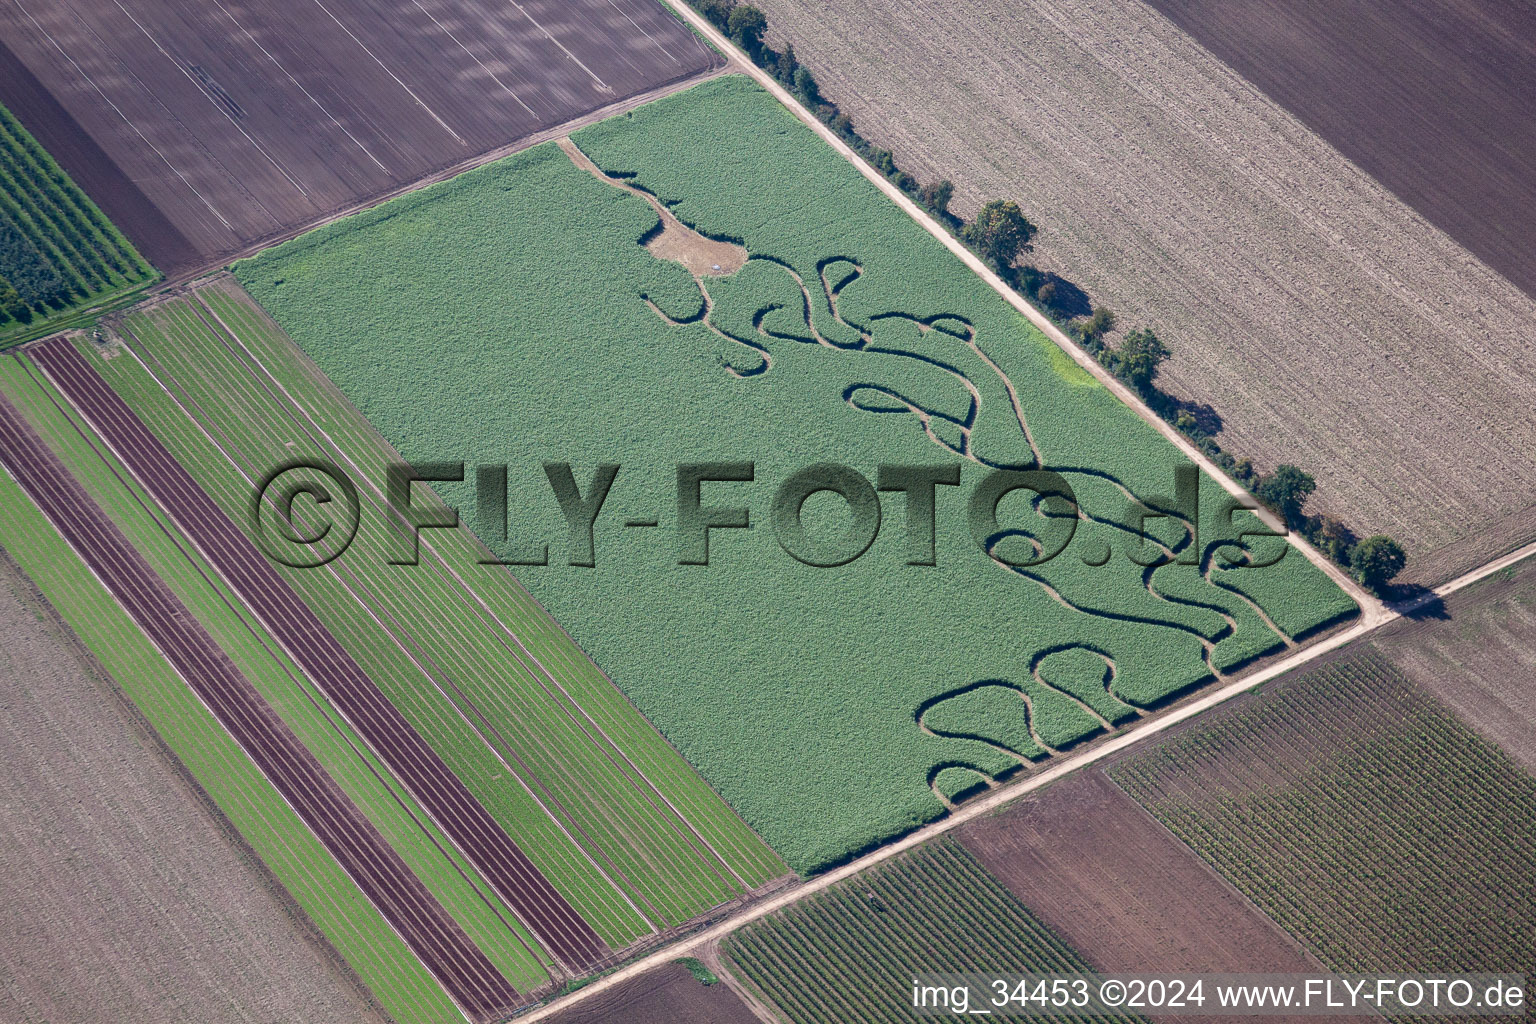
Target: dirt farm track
<point x="204" y="128"/>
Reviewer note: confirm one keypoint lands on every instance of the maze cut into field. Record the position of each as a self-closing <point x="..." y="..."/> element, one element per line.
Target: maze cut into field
<point x="427" y="928"/>
<point x="851" y="953"/>
<point x="604" y="808"/>
<point x="159" y="914"/>
<point x="57" y="250"/>
<point x="1363" y="816"/>
<point x="1326" y="322"/>
<point x="240" y="122"/>
<point x="559" y="928"/>
<point x="516" y="316"/>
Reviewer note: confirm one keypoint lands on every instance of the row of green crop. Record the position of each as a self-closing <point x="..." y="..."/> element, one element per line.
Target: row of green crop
<point x="308" y="713"/>
<point x="388" y="665"/>
<point x="304" y="867"/>
<point x="57" y="250"/>
<point x="1364" y="817"/>
<point x="589" y="694"/>
<point x="851" y="953"/>
<point x="559" y="719"/>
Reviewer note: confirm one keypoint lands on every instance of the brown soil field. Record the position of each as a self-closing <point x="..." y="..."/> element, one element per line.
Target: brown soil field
<point x="1121" y="889"/>
<point x="126" y="895"/>
<point x="1431" y="98"/>
<point x="1481" y="658"/>
<point x="667" y="995"/>
<point x="1327" y="321"/>
<point x="240" y="122"/>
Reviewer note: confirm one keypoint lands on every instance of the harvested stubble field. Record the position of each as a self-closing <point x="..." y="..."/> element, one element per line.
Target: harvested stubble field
<point x="851" y="953"/>
<point x="605" y="810"/>
<point x="515" y="315"/>
<point x="1362" y="815"/>
<point x="1328" y="323"/>
<point x="126" y="896"/>
<point x="57" y="250"/>
<point x="225" y="124"/>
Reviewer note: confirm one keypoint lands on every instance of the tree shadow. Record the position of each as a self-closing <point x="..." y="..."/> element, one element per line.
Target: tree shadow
<point x="1415" y="601"/>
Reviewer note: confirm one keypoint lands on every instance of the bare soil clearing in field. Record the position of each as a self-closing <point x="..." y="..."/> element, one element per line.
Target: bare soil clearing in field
<point x="671" y="239"/>
<point x="1328" y="323"/>
<point x="242" y="122"/>
<point x="1481" y="660"/>
<point x="1431" y="98"/>
<point x="667" y="995"/>
<point x="124" y="898"/>
<point x="1121" y="889"/>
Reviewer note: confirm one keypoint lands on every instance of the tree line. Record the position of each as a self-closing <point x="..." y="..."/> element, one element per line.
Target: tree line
<point x="1001" y="235"/>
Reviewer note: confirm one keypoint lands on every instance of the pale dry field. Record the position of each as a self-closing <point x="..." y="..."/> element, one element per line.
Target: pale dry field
<point x="124" y="899"/>
<point x="1328" y="323"/>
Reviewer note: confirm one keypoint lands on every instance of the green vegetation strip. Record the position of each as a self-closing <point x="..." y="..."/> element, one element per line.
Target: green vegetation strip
<point x="298" y="860"/>
<point x="58" y="252"/>
<point x="850" y="953"/>
<point x="1364" y="817"/>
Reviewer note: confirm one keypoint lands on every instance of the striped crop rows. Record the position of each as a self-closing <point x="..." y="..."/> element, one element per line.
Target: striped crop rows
<point x="1364" y="817"/>
<point x="605" y="809"/>
<point x="849" y="954"/>
<point x="375" y="867"/>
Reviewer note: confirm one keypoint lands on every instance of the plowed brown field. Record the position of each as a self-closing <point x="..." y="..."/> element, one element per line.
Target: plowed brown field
<point x="237" y="122"/>
<point x="1105" y="876"/>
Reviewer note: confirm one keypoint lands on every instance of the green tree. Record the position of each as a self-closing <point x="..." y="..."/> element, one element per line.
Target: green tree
<point x="1285" y="490"/>
<point x="746" y="25"/>
<point x="999" y="233"/>
<point x="718" y="12"/>
<point x="936" y="196"/>
<point x="1377" y="560"/>
<point x="806" y="87"/>
<point x="1138" y="357"/>
<point x="1090" y="331"/>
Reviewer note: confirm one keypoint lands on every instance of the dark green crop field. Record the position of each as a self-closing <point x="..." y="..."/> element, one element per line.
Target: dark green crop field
<point x="517" y="316"/>
<point x="57" y="250"/>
